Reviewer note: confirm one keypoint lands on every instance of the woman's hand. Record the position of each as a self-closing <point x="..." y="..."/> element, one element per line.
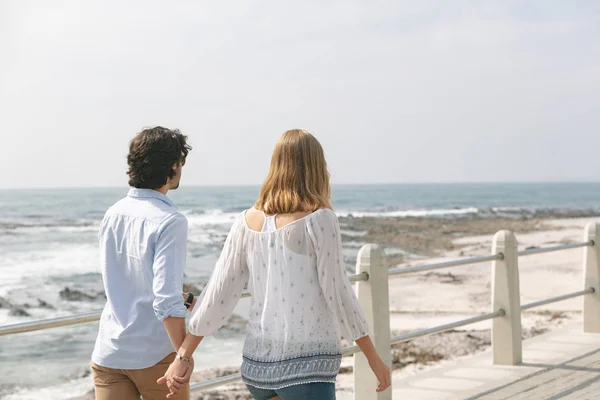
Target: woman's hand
<point x="178" y="374"/>
<point x="382" y="372"/>
<point x="379" y="368"/>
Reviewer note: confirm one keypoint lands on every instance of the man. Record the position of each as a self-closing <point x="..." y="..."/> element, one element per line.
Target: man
<point x="143" y="241"/>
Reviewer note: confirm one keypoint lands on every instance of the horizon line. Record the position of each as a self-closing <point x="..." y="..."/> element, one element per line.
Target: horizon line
<point x="247" y="185"/>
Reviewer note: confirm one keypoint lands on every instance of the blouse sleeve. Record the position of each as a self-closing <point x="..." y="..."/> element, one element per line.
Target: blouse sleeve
<point x="324" y="231"/>
<point x="220" y="296"/>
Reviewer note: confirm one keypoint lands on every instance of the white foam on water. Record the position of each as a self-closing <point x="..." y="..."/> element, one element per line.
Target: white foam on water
<point x="410" y="213"/>
<point x="22" y="269"/>
<point x="63" y="391"/>
<point x="218" y="217"/>
<point x="507" y="209"/>
<point x="54" y="229"/>
<point x="211" y="218"/>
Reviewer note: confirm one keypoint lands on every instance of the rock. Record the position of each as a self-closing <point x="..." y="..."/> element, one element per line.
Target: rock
<point x="5" y="303"/>
<point x="75" y="295"/>
<point x="43" y="304"/>
<point x="19" y="312"/>
<point x="346" y="370"/>
<point x="448" y="277"/>
<point x="80" y="372"/>
<point x="85" y="373"/>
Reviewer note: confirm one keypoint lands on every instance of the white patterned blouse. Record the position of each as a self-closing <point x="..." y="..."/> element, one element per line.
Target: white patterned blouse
<point x="302" y="301"/>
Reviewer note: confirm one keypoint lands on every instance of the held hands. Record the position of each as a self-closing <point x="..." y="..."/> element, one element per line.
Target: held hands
<point x="382" y="372"/>
<point x="178" y="374"/>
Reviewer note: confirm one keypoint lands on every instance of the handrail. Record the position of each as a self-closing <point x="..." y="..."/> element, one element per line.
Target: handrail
<point x="93" y="316"/>
<point x="541" y="250"/>
<point x="444" y="264"/>
<point x="446" y="327"/>
<point x="215" y="382"/>
<point x="477" y="260"/>
<point x="48" y="323"/>
<point x="557" y="298"/>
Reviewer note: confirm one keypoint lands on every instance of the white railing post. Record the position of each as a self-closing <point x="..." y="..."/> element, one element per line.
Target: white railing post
<point x="373" y="295"/>
<point x="506" y="331"/>
<point x="591" y="268"/>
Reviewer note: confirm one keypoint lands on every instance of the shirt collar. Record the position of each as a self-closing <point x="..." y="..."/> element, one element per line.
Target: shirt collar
<point x="150" y="194"/>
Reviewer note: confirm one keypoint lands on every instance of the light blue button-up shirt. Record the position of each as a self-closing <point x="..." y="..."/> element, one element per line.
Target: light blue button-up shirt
<point x="143" y="245"/>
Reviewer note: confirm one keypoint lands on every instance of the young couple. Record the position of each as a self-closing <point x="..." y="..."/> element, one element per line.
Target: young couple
<point x="287" y="250"/>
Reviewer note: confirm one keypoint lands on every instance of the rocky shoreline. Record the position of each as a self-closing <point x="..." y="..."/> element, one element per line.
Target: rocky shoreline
<point x="429" y="237"/>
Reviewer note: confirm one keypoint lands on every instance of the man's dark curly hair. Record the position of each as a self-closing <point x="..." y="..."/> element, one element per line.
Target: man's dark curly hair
<point x="152" y="154"/>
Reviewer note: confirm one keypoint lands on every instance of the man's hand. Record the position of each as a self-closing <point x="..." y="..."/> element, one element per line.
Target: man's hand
<point x="178" y="374"/>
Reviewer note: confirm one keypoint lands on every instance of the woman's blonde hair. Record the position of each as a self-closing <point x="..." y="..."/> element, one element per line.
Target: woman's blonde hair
<point x="298" y="179"/>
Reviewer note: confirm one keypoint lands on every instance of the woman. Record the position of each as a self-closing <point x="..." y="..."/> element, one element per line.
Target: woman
<point x="288" y="249"/>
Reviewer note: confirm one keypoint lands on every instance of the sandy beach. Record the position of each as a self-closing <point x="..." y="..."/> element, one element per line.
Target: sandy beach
<point x="424" y="300"/>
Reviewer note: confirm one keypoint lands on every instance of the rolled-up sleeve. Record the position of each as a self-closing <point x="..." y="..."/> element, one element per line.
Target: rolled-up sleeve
<point x="169" y="261"/>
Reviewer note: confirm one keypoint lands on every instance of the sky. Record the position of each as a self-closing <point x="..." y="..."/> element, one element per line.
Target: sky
<point x="398" y="91"/>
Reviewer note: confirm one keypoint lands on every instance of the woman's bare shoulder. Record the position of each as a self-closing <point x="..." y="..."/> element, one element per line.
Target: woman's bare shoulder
<point x="255" y="219"/>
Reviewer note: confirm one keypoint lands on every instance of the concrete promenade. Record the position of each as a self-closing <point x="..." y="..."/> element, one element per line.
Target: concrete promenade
<point x="562" y="364"/>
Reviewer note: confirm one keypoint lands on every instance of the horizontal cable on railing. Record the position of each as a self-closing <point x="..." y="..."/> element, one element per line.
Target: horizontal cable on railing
<point x="540" y="250"/>
<point x="57" y="322"/>
<point x="441" y="328"/>
<point x="476" y="260"/>
<point x="216" y="382"/>
<point x="94" y="316"/>
<point x="557" y="299"/>
<point x="445" y="264"/>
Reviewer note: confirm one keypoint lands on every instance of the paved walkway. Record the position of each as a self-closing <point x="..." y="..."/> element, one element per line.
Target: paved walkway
<point x="563" y="364"/>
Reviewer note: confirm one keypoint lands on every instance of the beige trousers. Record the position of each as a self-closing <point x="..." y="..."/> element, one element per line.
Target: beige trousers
<point x="130" y="384"/>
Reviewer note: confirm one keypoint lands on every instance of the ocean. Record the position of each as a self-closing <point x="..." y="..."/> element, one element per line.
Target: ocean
<point x="48" y="243"/>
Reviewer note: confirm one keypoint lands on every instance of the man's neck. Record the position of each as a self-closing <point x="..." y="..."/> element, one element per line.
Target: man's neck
<point x="163" y="190"/>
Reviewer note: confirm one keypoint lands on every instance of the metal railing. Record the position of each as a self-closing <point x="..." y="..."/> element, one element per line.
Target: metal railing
<point x="557" y="299"/>
<point x="373" y="263"/>
<point x="444" y="264"/>
<point x="540" y="250"/>
<point x="94" y="316"/>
